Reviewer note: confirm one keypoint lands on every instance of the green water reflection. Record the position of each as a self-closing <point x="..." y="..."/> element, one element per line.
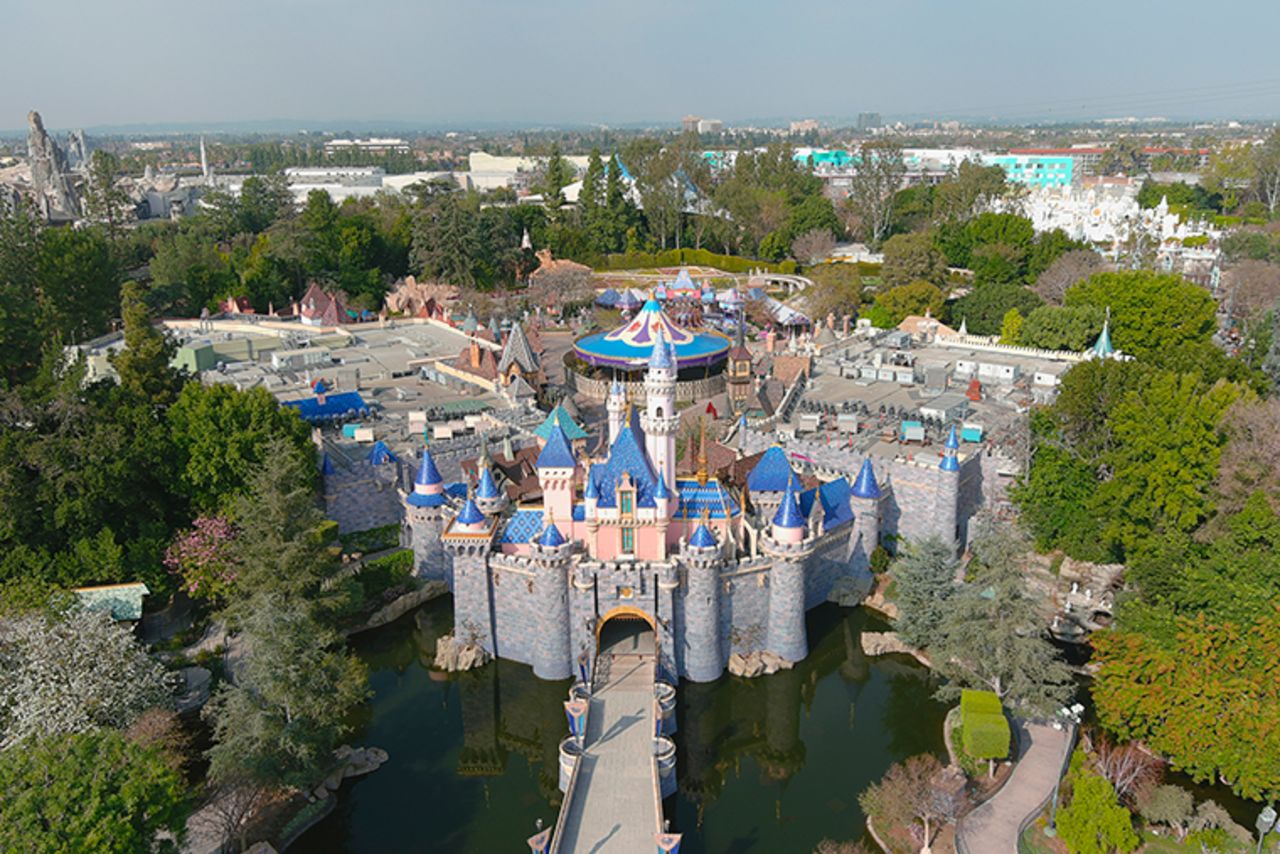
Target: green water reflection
<point x="771" y="764"/>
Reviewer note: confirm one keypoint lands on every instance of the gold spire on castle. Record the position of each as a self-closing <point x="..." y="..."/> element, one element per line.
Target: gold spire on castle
<point x="702" y="453"/>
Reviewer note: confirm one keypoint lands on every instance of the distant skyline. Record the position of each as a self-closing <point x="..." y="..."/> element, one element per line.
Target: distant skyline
<point x="429" y="63"/>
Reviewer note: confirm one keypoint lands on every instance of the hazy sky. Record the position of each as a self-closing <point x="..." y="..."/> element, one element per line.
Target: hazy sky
<point x="451" y="62"/>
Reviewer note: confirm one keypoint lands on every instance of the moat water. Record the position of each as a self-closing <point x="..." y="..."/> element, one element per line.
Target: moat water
<point x="764" y="765"/>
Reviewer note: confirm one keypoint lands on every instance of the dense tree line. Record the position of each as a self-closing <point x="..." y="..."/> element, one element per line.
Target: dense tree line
<point x="1161" y="463"/>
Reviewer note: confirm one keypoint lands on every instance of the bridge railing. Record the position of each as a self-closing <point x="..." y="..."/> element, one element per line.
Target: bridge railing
<point x="566" y="805"/>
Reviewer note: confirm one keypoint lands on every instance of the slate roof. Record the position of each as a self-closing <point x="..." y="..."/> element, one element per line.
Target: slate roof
<point x="789" y="514"/>
<point x="570" y="427"/>
<point x="772" y="473"/>
<point x="470" y="514"/>
<point x="380" y="454"/>
<point x="488" y="487"/>
<point x="627" y="455"/>
<point x="711" y="497"/>
<point x="865" y="486"/>
<point x="551" y="537"/>
<point x="522" y="526"/>
<point x="347" y="404"/>
<point x="517" y="351"/>
<point x="428" y="474"/>
<point x="834" y="496"/>
<point x="557" y="453"/>
<point x="703" y="539"/>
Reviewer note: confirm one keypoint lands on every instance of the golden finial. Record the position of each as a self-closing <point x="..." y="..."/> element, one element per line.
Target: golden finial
<point x="702" y="453"/>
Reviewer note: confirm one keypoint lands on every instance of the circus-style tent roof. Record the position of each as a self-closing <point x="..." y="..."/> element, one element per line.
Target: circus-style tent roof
<point x="630" y="345"/>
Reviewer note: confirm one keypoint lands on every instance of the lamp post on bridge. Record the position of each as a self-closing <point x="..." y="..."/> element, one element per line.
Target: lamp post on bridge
<point x="1071" y="716"/>
<point x="1265" y="823"/>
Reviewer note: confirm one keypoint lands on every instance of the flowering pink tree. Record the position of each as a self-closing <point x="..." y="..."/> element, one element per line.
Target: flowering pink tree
<point x="201" y="558"/>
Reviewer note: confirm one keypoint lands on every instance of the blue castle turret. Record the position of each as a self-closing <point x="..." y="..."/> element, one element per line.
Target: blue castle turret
<point x="790" y="544"/>
<point x="550" y="555"/>
<point x="702" y="651"/>
<point x="865" y="500"/>
<point x="948" y="499"/>
<point x="425" y="514"/>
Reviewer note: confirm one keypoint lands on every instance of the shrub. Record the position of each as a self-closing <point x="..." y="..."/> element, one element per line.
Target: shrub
<point x="973" y="702"/>
<point x="986" y="736"/>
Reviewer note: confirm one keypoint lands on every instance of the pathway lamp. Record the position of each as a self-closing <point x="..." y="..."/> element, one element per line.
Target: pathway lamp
<point x="1070" y="717"/>
<point x="1266" y="821"/>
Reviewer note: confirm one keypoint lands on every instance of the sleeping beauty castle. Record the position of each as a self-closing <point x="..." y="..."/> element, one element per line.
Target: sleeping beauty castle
<point x="709" y="569"/>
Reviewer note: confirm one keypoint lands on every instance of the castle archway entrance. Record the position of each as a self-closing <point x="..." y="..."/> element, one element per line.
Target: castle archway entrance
<point x="626" y="631"/>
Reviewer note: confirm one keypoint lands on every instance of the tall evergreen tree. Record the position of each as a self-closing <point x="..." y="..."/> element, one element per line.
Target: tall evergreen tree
<point x="143" y="364"/>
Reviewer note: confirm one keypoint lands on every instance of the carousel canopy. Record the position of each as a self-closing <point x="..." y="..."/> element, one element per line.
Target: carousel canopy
<point x="629" y="345"/>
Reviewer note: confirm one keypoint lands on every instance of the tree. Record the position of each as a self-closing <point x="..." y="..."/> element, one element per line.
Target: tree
<point x="1229" y="173"/>
<point x="1129" y="768"/>
<point x="912" y="257"/>
<point x="201" y="556"/>
<point x="1250" y="461"/>
<point x="1093" y="823"/>
<point x="874" y="187"/>
<point x="924" y="580"/>
<point x="279" y="723"/>
<point x="917" y="790"/>
<point x="281" y="547"/>
<point x="971" y="189"/>
<point x="1011" y="327"/>
<point x="1168" y="805"/>
<point x="837" y="289"/>
<point x="1252" y="288"/>
<point x="1266" y="172"/>
<point x="1054" y="327"/>
<point x="913" y="299"/>
<point x="556" y="174"/>
<point x="1150" y="312"/>
<point x="73" y="674"/>
<point x="222" y="434"/>
<point x="993" y="635"/>
<point x="106" y="203"/>
<point x="1066" y="270"/>
<point x="263" y="200"/>
<point x="189" y="273"/>
<point x="1165" y="456"/>
<point x="983" y="308"/>
<point x="813" y="246"/>
<point x="94" y="791"/>
<point x="1202" y="693"/>
<point x="143" y="364"/>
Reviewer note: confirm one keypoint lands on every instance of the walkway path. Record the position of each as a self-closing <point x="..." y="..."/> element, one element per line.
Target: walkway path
<point x="613" y="809"/>
<point x="993" y="827"/>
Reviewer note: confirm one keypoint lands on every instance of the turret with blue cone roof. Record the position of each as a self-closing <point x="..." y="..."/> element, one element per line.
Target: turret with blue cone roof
<point x="591" y="502"/>
<point x="1102" y="348"/>
<point x="551" y="554"/>
<point x="947" y="509"/>
<point x="616" y="407"/>
<point x="703" y="538"/>
<point x="865" y="486"/>
<point x="470" y="518"/>
<point x="704" y="659"/>
<point x="551" y="537"/>
<point x="556" y="465"/>
<point x="790" y="545"/>
<point x="426" y="513"/>
<point x="489" y="497"/>
<point x="950" y="447"/>
<point x="789" y="517"/>
<point x="865" y="501"/>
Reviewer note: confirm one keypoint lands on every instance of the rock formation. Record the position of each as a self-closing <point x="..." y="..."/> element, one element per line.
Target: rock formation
<point x="77" y="151"/>
<point x="55" y="192"/>
<point x="755" y="664"/>
<point x="452" y="656"/>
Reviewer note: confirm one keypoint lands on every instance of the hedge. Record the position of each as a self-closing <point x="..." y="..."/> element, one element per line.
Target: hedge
<point x="386" y="572"/>
<point x="980" y="702"/>
<point x="689" y="258"/>
<point x="985" y="730"/>
<point x="986" y="736"/>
